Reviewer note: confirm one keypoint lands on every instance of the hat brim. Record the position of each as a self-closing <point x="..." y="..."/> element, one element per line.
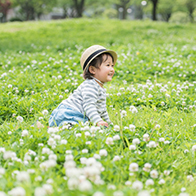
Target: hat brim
<point x="113" y="54"/>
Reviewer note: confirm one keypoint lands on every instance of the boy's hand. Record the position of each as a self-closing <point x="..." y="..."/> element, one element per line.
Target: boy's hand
<point x="102" y="123"/>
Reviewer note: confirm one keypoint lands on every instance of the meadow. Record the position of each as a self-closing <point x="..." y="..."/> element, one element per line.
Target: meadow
<point x="150" y="148"/>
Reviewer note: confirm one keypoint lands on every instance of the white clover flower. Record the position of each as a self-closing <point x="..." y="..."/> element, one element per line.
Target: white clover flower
<point x="2" y="193"/>
<point x="93" y="129"/>
<point x="147" y="167"/>
<point x="45" y="112"/>
<point x="9" y="132"/>
<point x="157" y="126"/>
<point x="57" y="137"/>
<point x="88" y="143"/>
<point x="39" y="191"/>
<point x="46" y="151"/>
<point x="25" y="133"/>
<point x="111" y="186"/>
<point x="9" y="155"/>
<point x="149" y="182"/>
<point x="143" y="193"/>
<point x="132" y="147"/>
<point x="162" y="139"/>
<point x="166" y="172"/>
<point x="85" y="186"/>
<point x="60" y="96"/>
<point x="68" y="151"/>
<point x="91" y="161"/>
<point x="83" y="160"/>
<point x="136" y="141"/>
<point x="116" y="137"/>
<point x="166" y="142"/>
<point x="69" y="157"/>
<point x="23" y="176"/>
<point x="134" y="110"/>
<point x="123" y="113"/>
<point x="50" y="181"/>
<point x="133" y="167"/>
<point x="19" y="118"/>
<point x="183" y="189"/>
<point x="9" y="86"/>
<point x="48" y="188"/>
<point x="146" y="137"/>
<point x="18" y="191"/>
<point x="52" y="157"/>
<point x="116" y="158"/>
<point x="128" y="183"/>
<point x="109" y="141"/>
<point x="103" y="152"/>
<point x="2" y="171"/>
<point x="98" y="193"/>
<point x="186" y="151"/>
<point x="2" y="149"/>
<point x="118" y="193"/>
<point x="137" y="185"/>
<point x="183" y="194"/>
<point x="53" y="130"/>
<point x="31" y="171"/>
<point x="85" y="151"/>
<point x="97" y="156"/>
<point x="161" y="181"/>
<point x="69" y="164"/>
<point x="154" y="174"/>
<point x="87" y="134"/>
<point x="152" y="144"/>
<point x="78" y="134"/>
<point x="47" y="164"/>
<point x="116" y="128"/>
<point x="194" y="148"/>
<point x="190" y="178"/>
<point x="132" y="128"/>
<point x="63" y="142"/>
<point x="51" y="142"/>
<point x="38" y="178"/>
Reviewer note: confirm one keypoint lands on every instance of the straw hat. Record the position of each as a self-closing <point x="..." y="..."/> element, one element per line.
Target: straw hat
<point x="90" y="53"/>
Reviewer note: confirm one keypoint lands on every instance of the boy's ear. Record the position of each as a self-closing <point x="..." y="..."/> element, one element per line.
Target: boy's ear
<point x="92" y="69"/>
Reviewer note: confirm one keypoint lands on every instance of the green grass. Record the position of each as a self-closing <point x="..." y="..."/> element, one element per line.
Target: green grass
<point x="155" y="72"/>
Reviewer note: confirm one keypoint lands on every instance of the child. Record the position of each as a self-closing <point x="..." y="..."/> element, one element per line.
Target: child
<point x="88" y="101"/>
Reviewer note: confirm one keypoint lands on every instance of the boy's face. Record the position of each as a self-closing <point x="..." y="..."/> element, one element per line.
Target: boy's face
<point x="106" y="70"/>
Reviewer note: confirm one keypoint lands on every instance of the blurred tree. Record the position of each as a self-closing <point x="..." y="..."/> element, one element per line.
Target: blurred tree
<point x="139" y="6"/>
<point x="30" y="9"/>
<point x="166" y="8"/>
<point x="122" y="6"/>
<point x="4" y="7"/>
<point x="68" y="8"/>
<point x="188" y="6"/>
<point x="79" y="6"/>
<point x="154" y="9"/>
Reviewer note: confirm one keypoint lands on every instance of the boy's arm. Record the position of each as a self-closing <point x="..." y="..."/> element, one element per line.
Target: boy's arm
<point x="89" y="95"/>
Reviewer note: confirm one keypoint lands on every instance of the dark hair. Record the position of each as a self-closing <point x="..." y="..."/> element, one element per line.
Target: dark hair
<point x="96" y="62"/>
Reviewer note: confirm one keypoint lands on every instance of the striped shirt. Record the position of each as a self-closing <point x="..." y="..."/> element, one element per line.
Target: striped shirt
<point x="90" y="100"/>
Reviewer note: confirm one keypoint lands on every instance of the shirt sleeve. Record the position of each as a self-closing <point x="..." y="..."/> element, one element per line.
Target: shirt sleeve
<point x="90" y="96"/>
<point x="105" y="116"/>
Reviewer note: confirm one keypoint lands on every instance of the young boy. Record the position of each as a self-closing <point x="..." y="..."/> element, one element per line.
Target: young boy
<point x="88" y="101"/>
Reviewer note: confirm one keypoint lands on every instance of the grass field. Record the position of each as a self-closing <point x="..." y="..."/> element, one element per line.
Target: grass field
<point x="149" y="149"/>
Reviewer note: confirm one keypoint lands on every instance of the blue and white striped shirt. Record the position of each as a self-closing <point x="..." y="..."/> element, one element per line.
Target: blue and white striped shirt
<point x="90" y="100"/>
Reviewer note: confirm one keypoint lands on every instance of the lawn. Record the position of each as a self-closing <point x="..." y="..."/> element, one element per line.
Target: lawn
<point x="150" y="148"/>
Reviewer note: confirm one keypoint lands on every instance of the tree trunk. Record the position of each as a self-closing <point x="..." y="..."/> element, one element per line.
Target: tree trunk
<point x="79" y="6"/>
<point x="154" y="10"/>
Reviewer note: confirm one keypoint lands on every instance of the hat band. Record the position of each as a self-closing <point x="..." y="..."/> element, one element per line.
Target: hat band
<point x="91" y="56"/>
